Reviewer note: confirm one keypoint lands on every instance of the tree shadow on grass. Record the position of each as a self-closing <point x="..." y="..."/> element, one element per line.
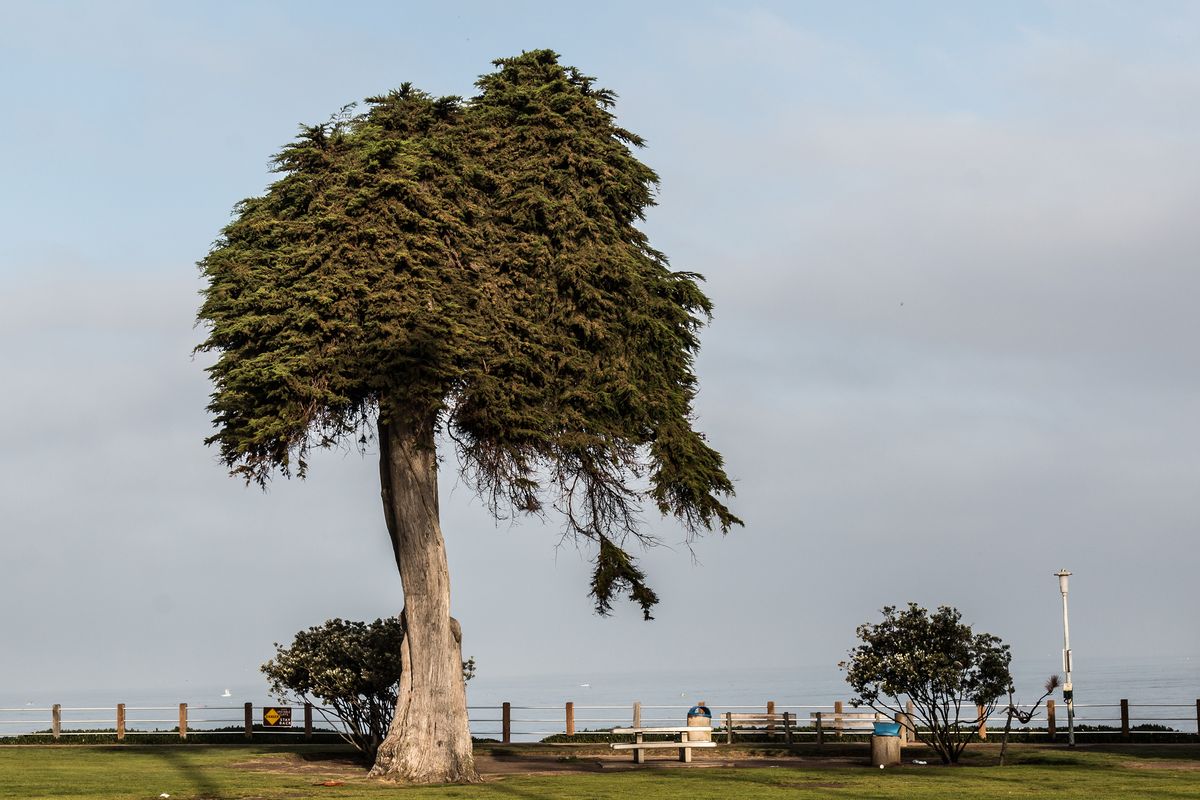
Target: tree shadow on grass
<point x="504" y="787"/>
<point x="783" y="780"/>
<point x="347" y="759"/>
<point x="1183" y="752"/>
<point x="195" y="774"/>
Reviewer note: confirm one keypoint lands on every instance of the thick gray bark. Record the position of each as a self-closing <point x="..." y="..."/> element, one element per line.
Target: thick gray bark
<point x="429" y="740"/>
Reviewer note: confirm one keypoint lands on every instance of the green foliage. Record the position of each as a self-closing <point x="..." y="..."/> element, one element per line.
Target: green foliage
<point x="939" y="664"/>
<point x="350" y="667"/>
<point x="475" y="262"/>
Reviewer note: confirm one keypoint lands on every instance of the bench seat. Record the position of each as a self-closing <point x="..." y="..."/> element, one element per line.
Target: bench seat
<point x="658" y="745"/>
<point x="684" y="744"/>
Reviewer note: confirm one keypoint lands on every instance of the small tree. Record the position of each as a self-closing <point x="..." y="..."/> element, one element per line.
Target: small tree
<point x="1013" y="711"/>
<point x="938" y="664"/>
<point x="353" y="669"/>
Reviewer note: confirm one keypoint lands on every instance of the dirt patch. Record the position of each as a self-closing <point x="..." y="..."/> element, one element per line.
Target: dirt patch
<point x="499" y="762"/>
<point x="1181" y="765"/>
<point x="502" y="762"/>
<point x="499" y="766"/>
<point x="330" y="767"/>
<point x="505" y="764"/>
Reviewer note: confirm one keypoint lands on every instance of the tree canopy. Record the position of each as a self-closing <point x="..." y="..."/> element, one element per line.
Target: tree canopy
<point x="476" y="265"/>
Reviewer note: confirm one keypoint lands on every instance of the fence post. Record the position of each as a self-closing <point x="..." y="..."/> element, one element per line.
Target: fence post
<point x="1050" y="732"/>
<point x="771" y="718"/>
<point x="837" y="717"/>
<point x="787" y="727"/>
<point x="637" y="713"/>
<point x="1198" y="717"/>
<point x="1124" y="718"/>
<point x="248" y="709"/>
<point x="820" y="730"/>
<point x="56" y="720"/>
<point x="120" y="722"/>
<point x="570" y="719"/>
<point x="308" y="721"/>
<point x="982" y="720"/>
<point x="506" y="723"/>
<point x="729" y="727"/>
<point x="183" y="720"/>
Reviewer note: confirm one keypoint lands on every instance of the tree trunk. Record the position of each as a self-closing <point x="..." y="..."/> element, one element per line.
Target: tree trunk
<point x="429" y="740"/>
<point x="1004" y="741"/>
<point x="1009" y="713"/>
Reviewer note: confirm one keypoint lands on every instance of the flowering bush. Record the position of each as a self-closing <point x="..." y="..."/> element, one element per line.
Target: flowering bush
<point x="936" y="662"/>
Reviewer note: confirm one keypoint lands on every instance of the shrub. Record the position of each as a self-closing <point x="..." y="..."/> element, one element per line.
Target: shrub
<point x="350" y="669"/>
<point x="937" y="663"/>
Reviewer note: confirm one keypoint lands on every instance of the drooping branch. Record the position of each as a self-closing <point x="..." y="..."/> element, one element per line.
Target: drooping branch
<point x="1013" y="711"/>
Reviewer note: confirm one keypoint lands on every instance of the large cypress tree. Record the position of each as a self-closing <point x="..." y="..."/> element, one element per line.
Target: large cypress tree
<point x="470" y="268"/>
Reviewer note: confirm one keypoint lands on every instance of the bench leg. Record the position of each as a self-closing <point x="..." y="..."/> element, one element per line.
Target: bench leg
<point x="639" y="755"/>
<point x="685" y="753"/>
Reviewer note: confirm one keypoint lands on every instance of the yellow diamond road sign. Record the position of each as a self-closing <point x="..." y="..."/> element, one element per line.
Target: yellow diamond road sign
<point x="277" y="717"/>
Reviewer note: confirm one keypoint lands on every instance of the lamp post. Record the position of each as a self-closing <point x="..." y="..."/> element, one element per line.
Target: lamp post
<point x="1068" y="692"/>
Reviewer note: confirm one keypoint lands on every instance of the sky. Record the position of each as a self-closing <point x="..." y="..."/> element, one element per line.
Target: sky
<point x="951" y="249"/>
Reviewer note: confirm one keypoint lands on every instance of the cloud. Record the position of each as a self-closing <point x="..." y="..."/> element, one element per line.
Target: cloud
<point x="1012" y="236"/>
<point x="952" y="348"/>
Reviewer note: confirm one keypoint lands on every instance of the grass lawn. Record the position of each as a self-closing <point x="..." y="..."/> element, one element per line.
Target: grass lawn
<point x="212" y="772"/>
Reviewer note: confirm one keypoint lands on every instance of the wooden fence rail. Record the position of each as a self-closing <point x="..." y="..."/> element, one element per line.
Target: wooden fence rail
<point x="815" y="723"/>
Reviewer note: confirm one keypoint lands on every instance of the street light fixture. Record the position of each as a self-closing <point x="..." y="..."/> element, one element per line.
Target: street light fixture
<point x="1068" y="692"/>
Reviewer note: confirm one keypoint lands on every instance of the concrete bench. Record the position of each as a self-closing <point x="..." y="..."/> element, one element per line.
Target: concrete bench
<point x="758" y="724"/>
<point x="840" y="722"/>
<point x="685" y="744"/>
<point x="784" y="724"/>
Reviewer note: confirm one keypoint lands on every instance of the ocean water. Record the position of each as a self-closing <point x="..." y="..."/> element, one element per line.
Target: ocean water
<point x="1163" y="691"/>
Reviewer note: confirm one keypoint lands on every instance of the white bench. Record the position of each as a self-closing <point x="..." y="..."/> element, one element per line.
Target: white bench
<point x="684" y="745"/>
<point x="840" y="722"/>
<point x="784" y="723"/>
<point x="758" y="724"/>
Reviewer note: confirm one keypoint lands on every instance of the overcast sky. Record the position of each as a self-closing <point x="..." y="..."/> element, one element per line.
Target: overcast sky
<point x="952" y="249"/>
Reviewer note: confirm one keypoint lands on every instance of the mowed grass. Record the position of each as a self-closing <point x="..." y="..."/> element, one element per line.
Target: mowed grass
<point x="225" y="773"/>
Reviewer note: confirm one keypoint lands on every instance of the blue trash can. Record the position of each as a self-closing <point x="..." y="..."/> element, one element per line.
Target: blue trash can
<point x="887" y="728"/>
<point x="700" y="716"/>
<point x="885" y="744"/>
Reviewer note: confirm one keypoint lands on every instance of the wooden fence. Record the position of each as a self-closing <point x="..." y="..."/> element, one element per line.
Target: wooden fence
<point x="507" y="722"/>
<point x="814" y="722"/>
